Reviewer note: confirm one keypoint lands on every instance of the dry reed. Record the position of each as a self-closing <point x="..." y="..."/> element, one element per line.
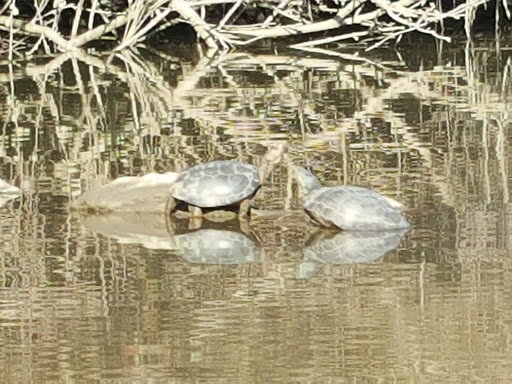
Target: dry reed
<point x="66" y="25"/>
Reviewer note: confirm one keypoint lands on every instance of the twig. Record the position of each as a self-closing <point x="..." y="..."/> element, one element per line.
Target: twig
<point x="229" y="14"/>
<point x="202" y="29"/>
<point x="144" y="17"/>
<point x="345" y="56"/>
<point x="76" y="20"/>
<point x="6" y="6"/>
<point x="337" y="21"/>
<point x="328" y="40"/>
<point x="99" y="31"/>
<point x="92" y="13"/>
<point x="412" y="26"/>
<point x="160" y="15"/>
<point x="11" y="23"/>
<point x="279" y="10"/>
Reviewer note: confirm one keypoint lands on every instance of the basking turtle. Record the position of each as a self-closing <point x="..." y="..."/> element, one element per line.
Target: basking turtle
<point x="222" y="184"/>
<point x="349" y="207"/>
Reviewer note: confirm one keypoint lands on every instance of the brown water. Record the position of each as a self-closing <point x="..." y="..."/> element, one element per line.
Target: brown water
<point x="116" y="298"/>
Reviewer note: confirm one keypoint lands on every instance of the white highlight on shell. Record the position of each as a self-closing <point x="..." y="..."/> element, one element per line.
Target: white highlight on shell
<point x="221" y="190"/>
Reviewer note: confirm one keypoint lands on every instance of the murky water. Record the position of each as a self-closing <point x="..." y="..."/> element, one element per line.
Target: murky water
<point x="116" y="297"/>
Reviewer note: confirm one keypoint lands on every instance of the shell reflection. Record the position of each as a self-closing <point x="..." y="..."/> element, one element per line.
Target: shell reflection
<point x="207" y="245"/>
<point x="329" y="247"/>
<point x="216" y="246"/>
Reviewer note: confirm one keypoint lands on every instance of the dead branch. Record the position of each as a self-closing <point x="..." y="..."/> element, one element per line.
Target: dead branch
<point x="383" y="20"/>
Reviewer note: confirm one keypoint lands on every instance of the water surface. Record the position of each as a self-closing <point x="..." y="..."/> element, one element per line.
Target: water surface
<point x="118" y="298"/>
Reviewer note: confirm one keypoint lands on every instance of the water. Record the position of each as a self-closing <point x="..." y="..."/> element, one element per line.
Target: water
<point x="116" y="298"/>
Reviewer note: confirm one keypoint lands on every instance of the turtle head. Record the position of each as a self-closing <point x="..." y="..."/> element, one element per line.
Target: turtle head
<point x="307" y="181"/>
<point x="273" y="156"/>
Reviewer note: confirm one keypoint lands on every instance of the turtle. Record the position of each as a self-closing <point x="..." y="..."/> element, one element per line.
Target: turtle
<point x="348" y="207"/>
<point x="222" y="184"/>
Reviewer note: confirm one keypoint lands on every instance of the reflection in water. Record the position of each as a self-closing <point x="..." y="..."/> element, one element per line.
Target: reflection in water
<point x="75" y="306"/>
<point x="8" y="192"/>
<point x="346" y="247"/>
<point x="214" y="246"/>
<point x="209" y="246"/>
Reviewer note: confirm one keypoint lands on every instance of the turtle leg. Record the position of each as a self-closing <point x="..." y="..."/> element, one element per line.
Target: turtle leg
<point x="245" y="227"/>
<point x="243" y="216"/>
<point x="195" y="222"/>
<point x="195" y="211"/>
<point x="170" y="205"/>
<point x="243" y="211"/>
<point x="169" y="225"/>
<point x="196" y="217"/>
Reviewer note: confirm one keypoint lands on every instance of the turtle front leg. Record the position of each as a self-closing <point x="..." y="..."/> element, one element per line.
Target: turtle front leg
<point x="243" y="211"/>
<point x="195" y="211"/>
<point x="196" y="217"/>
<point x="170" y="205"/>
<point x="243" y="216"/>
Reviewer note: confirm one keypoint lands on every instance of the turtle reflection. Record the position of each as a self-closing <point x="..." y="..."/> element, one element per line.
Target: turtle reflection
<point x="215" y="246"/>
<point x="221" y="245"/>
<point x="346" y="247"/>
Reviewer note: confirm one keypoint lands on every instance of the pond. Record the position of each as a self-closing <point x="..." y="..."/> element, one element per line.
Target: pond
<point x="120" y="298"/>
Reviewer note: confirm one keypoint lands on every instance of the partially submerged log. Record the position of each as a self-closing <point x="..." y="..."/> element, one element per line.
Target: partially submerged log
<point x="144" y="194"/>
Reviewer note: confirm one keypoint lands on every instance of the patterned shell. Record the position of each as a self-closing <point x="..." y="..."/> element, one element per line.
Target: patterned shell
<point x="217" y="183"/>
<point x="212" y="246"/>
<point x="353" y="208"/>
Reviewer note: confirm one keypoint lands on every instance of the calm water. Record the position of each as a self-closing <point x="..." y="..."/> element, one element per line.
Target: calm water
<point x="116" y="298"/>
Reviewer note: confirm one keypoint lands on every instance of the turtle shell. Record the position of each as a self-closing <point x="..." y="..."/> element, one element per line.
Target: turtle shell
<point x="353" y="208"/>
<point x="217" y="183"/>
